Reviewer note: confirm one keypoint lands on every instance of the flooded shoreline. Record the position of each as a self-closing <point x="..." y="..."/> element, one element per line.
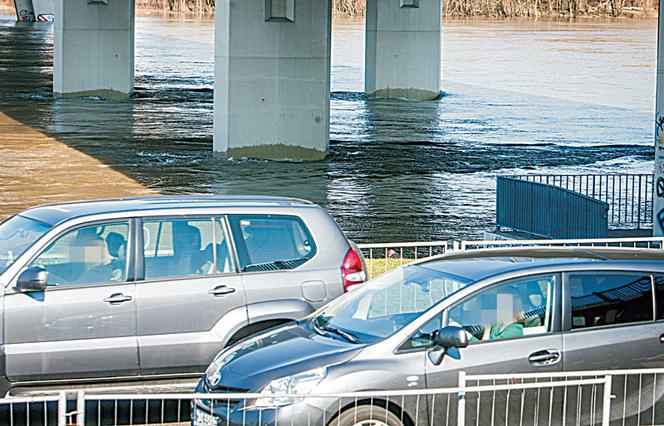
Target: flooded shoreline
<point x="397" y="170"/>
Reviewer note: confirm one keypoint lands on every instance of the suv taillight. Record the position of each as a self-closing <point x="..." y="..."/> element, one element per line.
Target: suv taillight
<point x="351" y="270"/>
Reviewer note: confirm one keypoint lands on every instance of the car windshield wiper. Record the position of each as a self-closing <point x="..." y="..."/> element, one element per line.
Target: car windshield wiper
<point x="344" y="334"/>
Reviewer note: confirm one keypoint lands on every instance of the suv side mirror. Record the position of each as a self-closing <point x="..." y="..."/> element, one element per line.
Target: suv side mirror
<point x="446" y="338"/>
<point x="33" y="279"/>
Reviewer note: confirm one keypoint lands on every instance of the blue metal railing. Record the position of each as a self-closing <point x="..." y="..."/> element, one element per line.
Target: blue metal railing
<point x="629" y="196"/>
<point x="549" y="211"/>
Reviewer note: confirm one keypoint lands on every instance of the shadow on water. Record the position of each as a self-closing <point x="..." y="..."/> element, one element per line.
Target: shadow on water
<point x="396" y="170"/>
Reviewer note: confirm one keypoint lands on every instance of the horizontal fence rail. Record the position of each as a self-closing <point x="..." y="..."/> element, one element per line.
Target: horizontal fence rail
<point x="629" y="196"/>
<point x="598" y="397"/>
<point x="550" y="211"/>
<point x="639" y="242"/>
<point x="383" y="257"/>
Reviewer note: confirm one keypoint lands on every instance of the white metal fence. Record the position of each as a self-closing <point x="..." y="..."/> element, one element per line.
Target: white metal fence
<point x="607" y="397"/>
<point x="383" y="257"/>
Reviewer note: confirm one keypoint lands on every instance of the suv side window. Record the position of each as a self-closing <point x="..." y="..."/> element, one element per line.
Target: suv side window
<point x="174" y="247"/>
<point x="515" y="309"/>
<point x="87" y="255"/>
<point x="610" y="298"/>
<point x="271" y="242"/>
<point x="509" y="310"/>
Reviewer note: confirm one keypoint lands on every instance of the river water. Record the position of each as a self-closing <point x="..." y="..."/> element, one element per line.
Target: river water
<point x="545" y="96"/>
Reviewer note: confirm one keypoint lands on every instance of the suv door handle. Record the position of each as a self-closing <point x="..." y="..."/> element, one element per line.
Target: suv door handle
<point x="222" y="290"/>
<point x="545" y="357"/>
<point x="117" y="298"/>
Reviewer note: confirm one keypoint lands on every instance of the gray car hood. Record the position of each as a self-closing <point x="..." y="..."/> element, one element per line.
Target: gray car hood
<point x="284" y="351"/>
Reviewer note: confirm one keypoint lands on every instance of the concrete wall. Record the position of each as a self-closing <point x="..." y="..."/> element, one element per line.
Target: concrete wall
<point x="93" y="49"/>
<point x="272" y="78"/>
<point x="44" y="9"/>
<point x="403" y="48"/>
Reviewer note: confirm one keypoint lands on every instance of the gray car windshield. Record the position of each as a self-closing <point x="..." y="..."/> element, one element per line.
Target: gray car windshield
<point x="385" y="305"/>
<point x="17" y="234"/>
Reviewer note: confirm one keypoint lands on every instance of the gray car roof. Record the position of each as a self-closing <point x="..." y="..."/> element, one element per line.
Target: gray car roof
<point x="476" y="265"/>
<point x="57" y="213"/>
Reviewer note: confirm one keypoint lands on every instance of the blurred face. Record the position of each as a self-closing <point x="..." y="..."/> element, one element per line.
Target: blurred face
<point x="96" y="252"/>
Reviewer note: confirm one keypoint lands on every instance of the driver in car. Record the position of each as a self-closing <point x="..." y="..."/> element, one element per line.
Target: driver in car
<point x="98" y="262"/>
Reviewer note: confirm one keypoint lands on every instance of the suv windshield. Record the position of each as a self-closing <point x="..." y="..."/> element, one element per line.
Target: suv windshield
<point x="386" y="304"/>
<point x="17" y="234"/>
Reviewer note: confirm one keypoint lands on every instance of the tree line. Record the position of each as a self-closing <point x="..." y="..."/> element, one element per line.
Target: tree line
<point x="453" y="8"/>
<point x="463" y="8"/>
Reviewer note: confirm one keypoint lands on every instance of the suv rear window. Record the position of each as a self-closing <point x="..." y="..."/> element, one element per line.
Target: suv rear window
<point x="271" y="242"/>
<point x="607" y="299"/>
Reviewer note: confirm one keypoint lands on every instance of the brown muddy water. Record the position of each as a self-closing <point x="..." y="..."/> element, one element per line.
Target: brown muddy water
<point x="542" y="96"/>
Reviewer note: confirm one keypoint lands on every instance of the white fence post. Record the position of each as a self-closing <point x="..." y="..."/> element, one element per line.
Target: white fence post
<point x="62" y="409"/>
<point x="461" y="408"/>
<point x="606" y="403"/>
<point x="80" y="409"/>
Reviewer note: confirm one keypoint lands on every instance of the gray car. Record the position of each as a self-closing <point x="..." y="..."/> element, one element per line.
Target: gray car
<point x="483" y="312"/>
<point x="154" y="287"/>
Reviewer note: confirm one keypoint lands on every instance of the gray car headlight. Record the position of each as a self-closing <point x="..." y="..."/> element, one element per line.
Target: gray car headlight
<point x="292" y="386"/>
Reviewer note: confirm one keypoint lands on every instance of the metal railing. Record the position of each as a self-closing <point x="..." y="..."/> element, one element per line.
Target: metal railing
<point x="605" y="397"/>
<point x="548" y="211"/>
<point x="638" y="242"/>
<point x="629" y="196"/>
<point x="383" y="257"/>
<point x="42" y="410"/>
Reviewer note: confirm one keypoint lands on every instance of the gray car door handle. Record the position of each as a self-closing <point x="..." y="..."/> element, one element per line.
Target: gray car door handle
<point x="117" y="298"/>
<point x="545" y="357"/>
<point x="222" y="290"/>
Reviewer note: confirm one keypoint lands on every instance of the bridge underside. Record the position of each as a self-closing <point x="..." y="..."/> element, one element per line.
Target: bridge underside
<point x="272" y="65"/>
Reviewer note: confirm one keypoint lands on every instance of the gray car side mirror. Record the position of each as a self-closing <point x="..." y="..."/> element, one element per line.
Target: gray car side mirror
<point x="451" y="337"/>
<point x="33" y="279"/>
<point x="446" y="338"/>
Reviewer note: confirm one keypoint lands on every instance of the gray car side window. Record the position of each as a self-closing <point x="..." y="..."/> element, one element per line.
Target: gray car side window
<point x="181" y="247"/>
<point x="87" y="255"/>
<point x="603" y="299"/>
<point x="509" y="310"/>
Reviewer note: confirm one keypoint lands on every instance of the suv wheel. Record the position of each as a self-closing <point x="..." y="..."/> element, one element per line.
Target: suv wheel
<point x="367" y="415"/>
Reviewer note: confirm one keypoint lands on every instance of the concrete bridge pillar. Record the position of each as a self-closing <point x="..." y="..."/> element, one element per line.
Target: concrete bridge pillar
<point x="93" y="52"/>
<point x="403" y="48"/>
<point x="272" y="78"/>
<point x="658" y="196"/>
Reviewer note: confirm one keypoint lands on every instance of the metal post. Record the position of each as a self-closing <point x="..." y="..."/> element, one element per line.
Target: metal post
<point x="461" y="408"/>
<point x="62" y="409"/>
<point x="658" y="227"/>
<point x="606" y="403"/>
<point x="80" y="409"/>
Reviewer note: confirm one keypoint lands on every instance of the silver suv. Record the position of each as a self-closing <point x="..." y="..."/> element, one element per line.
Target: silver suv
<point x="157" y="286"/>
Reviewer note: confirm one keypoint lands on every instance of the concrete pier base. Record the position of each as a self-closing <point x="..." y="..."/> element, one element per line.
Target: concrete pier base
<point x="272" y="78"/>
<point x="403" y="49"/>
<point x="93" y="52"/>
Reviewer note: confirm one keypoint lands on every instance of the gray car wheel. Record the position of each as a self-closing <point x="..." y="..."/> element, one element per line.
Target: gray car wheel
<point x="367" y="415"/>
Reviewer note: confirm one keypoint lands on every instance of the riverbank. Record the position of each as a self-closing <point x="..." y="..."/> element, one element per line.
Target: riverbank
<point x="38" y="169"/>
